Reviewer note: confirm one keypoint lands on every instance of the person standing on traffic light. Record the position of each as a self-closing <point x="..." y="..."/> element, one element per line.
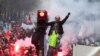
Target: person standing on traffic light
<point x="56" y="31"/>
<point x="58" y="24"/>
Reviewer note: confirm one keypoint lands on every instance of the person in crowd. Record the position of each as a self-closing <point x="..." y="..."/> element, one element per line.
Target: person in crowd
<point x="56" y="30"/>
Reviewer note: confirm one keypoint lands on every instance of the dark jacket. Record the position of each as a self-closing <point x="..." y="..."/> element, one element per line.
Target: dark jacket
<point x="60" y="27"/>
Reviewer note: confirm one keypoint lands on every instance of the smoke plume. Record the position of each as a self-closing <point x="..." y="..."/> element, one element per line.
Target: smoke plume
<point x="82" y="23"/>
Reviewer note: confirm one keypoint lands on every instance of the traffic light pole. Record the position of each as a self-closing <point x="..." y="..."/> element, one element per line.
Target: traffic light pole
<point x="40" y="31"/>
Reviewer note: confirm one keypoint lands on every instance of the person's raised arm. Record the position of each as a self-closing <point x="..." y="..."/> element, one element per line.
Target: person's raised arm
<point x="64" y="20"/>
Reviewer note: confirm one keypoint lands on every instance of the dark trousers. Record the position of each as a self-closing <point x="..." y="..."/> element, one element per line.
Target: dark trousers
<point x="50" y="51"/>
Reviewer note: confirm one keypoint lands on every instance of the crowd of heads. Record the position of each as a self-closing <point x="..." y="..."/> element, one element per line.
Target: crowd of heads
<point x="10" y="32"/>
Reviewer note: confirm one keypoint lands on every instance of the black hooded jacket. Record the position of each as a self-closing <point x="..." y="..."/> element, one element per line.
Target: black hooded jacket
<point x="60" y="27"/>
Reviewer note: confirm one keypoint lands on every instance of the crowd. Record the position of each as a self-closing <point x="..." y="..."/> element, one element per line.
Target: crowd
<point x="10" y="32"/>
